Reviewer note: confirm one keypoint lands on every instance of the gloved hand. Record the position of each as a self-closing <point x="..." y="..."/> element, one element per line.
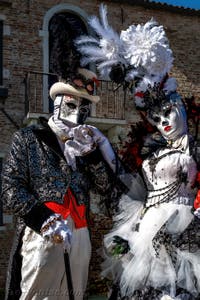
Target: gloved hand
<point x="120" y="246"/>
<point x="80" y="144"/>
<point x="85" y="139"/>
<point x="197" y="212"/>
<point x="167" y="297"/>
<point x="178" y="297"/>
<point x="57" y="231"/>
<point x="81" y="141"/>
<point x="197" y="205"/>
<point x="82" y="134"/>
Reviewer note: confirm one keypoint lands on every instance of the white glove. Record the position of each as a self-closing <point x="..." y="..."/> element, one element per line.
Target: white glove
<point x="85" y="139"/>
<point x="82" y="141"/>
<point x="81" y="144"/>
<point x="179" y="297"/>
<point x="167" y="297"/>
<point x="57" y="231"/>
<point x="197" y="212"/>
<point x="82" y="134"/>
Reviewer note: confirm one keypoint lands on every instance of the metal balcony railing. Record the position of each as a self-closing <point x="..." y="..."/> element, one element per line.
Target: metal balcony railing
<point x="37" y="101"/>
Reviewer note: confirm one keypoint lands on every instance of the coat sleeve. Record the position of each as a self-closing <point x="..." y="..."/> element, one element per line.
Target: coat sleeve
<point x="16" y="193"/>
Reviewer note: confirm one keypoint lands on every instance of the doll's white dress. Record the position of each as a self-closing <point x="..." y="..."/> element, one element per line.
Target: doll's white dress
<point x="162" y="233"/>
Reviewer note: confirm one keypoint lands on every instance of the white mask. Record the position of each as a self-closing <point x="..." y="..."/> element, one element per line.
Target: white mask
<point x="71" y="110"/>
<point x="171" y="121"/>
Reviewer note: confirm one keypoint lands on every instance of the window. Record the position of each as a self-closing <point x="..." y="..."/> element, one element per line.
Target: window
<point x="64" y="28"/>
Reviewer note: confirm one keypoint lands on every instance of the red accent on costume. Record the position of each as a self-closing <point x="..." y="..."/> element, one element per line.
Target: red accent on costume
<point x="97" y="82"/>
<point x="139" y="94"/>
<point x="70" y="207"/>
<point x="197" y="200"/>
<point x="198" y="178"/>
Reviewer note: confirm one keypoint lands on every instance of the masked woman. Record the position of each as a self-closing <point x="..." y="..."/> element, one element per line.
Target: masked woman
<point x="153" y="251"/>
<point x="163" y="257"/>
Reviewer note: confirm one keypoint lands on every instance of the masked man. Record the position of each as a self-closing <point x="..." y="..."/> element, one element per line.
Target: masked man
<point x="47" y="177"/>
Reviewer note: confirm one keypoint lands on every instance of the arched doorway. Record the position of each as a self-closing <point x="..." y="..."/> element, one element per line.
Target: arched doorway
<point x="64" y="28"/>
<point x="64" y="59"/>
<point x="62" y="24"/>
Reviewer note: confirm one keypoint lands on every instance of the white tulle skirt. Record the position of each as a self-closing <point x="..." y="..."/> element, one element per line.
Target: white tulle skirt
<point x="143" y="266"/>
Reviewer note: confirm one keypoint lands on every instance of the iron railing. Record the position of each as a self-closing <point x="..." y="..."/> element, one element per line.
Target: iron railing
<point x="37" y="101"/>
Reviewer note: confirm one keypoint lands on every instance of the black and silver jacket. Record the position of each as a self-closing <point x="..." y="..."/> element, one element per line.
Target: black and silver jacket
<point x="35" y="171"/>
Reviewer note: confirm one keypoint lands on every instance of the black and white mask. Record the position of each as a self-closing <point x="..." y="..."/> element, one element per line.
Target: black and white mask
<point x="72" y="109"/>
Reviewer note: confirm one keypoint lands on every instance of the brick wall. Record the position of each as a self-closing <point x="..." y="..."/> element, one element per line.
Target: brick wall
<point x="23" y="52"/>
<point x="23" y="47"/>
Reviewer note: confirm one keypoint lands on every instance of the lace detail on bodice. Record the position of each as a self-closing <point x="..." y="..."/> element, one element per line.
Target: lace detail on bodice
<point x="169" y="175"/>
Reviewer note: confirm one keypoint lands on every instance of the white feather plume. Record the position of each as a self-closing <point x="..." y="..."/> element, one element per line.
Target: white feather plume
<point x="143" y="50"/>
<point x="105" y="50"/>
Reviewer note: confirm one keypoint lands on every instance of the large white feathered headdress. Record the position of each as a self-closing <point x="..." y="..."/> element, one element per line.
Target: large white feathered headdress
<point x="138" y="57"/>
